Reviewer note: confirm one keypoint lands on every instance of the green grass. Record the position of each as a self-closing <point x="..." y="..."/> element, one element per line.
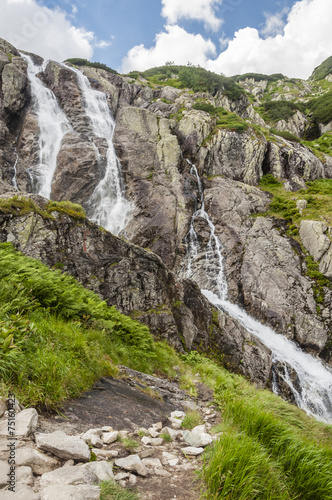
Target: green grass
<point x="324" y="69"/>
<point x="130" y="444"/>
<point x="57" y="338"/>
<point x="76" y="61"/>
<point x="268" y="448"/>
<point x="112" y="491"/>
<point x="273" y="111"/>
<point x="318" y="197"/>
<point x="191" y="420"/>
<point x="322" y="145"/>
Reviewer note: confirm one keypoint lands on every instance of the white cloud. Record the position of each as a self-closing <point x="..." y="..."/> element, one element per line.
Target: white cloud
<point x="274" y="23"/>
<point x="293" y="47"/>
<point x="174" y="44"/>
<point x="306" y="41"/>
<point x="46" y="32"/>
<point x="198" y="10"/>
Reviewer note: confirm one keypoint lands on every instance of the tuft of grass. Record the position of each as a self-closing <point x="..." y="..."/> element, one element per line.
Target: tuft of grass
<point x="73" y="209"/>
<point x="112" y="491"/>
<point x="130" y="444"/>
<point x="191" y="420"/>
<point x="166" y="437"/>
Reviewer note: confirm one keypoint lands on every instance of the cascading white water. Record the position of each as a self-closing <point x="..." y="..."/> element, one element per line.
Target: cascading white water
<point x="107" y="205"/>
<point x="53" y="125"/>
<point x="314" y="394"/>
<point x="14" y="176"/>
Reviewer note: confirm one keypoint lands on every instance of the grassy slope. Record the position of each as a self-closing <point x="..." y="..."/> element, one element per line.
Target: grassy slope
<point x="58" y="338"/>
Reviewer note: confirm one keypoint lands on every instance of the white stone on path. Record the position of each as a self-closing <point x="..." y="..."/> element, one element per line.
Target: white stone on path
<point x="110" y="437"/>
<point x="192" y="450"/>
<point x="132" y="463"/>
<point x="22" y="492"/>
<point x="152" y="462"/>
<point x="68" y="475"/>
<point x="25" y="423"/>
<point x="197" y="437"/>
<point x="105" y="454"/>
<point x="69" y="492"/>
<point x="64" y="446"/>
<point x="93" y="437"/>
<point x="103" y="470"/>
<point x="39" y="462"/>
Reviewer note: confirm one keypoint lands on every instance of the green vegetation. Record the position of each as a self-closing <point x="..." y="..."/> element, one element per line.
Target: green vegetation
<point x="18" y="206"/>
<point x="130" y="444"/>
<point x="319" y="204"/>
<point x="321" y="145"/>
<point x="191" y="420"/>
<point x="321" y="108"/>
<point x="267" y="449"/>
<point x="195" y="78"/>
<point x="76" y="61"/>
<point x="258" y="77"/>
<point x="322" y="70"/>
<point x="273" y="111"/>
<point x="285" y="135"/>
<point x="110" y="490"/>
<point x="166" y="437"/>
<point x="57" y="338"/>
<point x="283" y="204"/>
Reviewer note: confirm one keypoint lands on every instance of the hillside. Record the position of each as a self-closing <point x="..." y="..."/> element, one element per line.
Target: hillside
<point x="174" y="218"/>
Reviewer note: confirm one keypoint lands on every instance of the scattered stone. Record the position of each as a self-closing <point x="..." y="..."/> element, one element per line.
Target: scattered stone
<point x="110" y="437"/>
<point x="192" y="450"/>
<point x="107" y="428"/>
<point x="4" y="469"/>
<point x="132" y="480"/>
<point x="132" y="463"/>
<point x="153" y="432"/>
<point x="68" y="475"/>
<point x="23" y="492"/>
<point x="25" y="423"/>
<point x="175" y="434"/>
<point x="176" y="424"/>
<point x="189" y="405"/>
<point x="105" y="454"/>
<point x="158" y="426"/>
<point x="152" y="462"/>
<point x="39" y="462"/>
<point x="169" y="459"/>
<point x="162" y="472"/>
<point x="3" y="407"/>
<point x="178" y="414"/>
<point x="197" y="437"/>
<point x="64" y="446"/>
<point x="68" y="492"/>
<point x="25" y="476"/>
<point x="147" y="453"/>
<point x="157" y="441"/>
<point x="121" y="476"/>
<point x="69" y="463"/>
<point x="146" y="440"/>
<point x="103" y="470"/>
<point x="93" y="437"/>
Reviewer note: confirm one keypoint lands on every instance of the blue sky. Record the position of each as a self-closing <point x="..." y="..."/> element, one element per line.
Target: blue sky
<point x="226" y="36"/>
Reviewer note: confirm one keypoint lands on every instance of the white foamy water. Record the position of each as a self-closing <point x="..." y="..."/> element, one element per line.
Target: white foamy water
<point x="53" y="125"/>
<point x="313" y="390"/>
<point x="107" y="205"/>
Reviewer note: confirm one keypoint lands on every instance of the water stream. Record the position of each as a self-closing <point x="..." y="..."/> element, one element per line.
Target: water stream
<point x="107" y="205"/>
<point x="313" y="390"/>
<point x="53" y="125"/>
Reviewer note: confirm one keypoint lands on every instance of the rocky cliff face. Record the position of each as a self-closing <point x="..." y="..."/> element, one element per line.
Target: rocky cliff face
<point x="157" y="131"/>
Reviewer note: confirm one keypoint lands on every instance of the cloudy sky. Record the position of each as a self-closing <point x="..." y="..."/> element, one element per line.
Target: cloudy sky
<point x="225" y="36"/>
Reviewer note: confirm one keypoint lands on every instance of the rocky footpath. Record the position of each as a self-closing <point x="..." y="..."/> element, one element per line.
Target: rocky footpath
<point x="157" y="461"/>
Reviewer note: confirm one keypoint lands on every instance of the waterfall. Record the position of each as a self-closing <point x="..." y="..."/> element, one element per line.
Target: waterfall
<point x="107" y="205"/>
<point x="314" y="381"/>
<point x="53" y="125"/>
<point x="14" y="176"/>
